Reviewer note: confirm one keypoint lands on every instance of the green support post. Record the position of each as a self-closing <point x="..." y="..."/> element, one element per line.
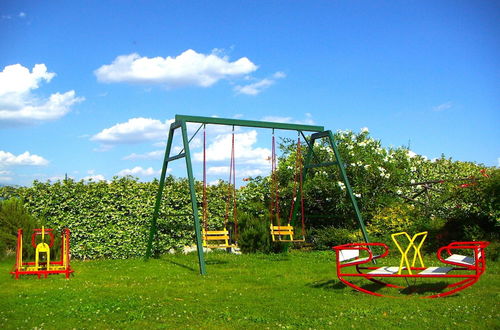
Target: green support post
<point x="307" y="164"/>
<point x="194" y="202"/>
<point x="348" y="186"/>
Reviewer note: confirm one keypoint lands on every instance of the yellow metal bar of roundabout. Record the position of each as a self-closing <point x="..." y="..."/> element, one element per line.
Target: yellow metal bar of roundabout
<point x="411" y="244"/>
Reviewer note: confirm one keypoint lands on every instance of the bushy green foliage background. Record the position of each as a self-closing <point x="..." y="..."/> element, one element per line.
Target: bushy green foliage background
<point x="13" y="215"/>
<point x="111" y="219"/>
<point x="396" y="190"/>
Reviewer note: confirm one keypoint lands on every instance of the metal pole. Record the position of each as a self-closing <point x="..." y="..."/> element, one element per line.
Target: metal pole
<point x="197" y="227"/>
<point x="348" y="186"/>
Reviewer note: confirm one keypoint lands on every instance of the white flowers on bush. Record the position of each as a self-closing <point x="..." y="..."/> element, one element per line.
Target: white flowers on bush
<point x="341" y="185"/>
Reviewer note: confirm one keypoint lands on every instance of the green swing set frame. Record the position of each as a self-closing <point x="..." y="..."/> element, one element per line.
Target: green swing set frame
<point x="318" y="132"/>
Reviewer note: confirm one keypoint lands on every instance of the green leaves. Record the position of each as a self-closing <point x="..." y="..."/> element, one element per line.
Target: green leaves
<point x="111" y="220"/>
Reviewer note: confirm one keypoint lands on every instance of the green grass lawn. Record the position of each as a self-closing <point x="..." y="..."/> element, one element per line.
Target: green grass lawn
<point x="298" y="290"/>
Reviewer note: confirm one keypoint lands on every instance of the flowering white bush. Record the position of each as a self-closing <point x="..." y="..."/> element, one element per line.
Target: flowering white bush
<point x="379" y="177"/>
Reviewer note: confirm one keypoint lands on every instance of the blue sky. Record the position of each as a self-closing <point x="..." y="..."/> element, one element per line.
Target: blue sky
<point x="88" y="88"/>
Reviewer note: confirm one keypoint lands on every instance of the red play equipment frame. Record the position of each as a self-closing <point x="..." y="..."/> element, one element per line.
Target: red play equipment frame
<point x="47" y="267"/>
<point x="466" y="269"/>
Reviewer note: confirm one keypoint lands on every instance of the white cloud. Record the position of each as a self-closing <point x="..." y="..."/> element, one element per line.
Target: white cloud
<point x="279" y="75"/>
<point x="157" y="154"/>
<point x="135" y="130"/>
<point x="160" y="144"/>
<point x="5" y="178"/>
<point x="278" y="119"/>
<point x="18" y="106"/>
<point x="22" y="14"/>
<point x="187" y="69"/>
<point x="257" y="87"/>
<point x="18" y="79"/>
<point x="138" y="170"/>
<point x="249" y="172"/>
<point x="220" y="149"/>
<point x="254" y="88"/>
<point x="9" y="159"/>
<point x="95" y="177"/>
<point x="443" y="107"/>
<point x="214" y="182"/>
<point x="59" y="178"/>
<point x="498" y="159"/>
<point x="217" y="170"/>
<point x="240" y="173"/>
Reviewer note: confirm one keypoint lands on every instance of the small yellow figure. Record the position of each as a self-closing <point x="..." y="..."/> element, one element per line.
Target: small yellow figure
<point x="42" y="248"/>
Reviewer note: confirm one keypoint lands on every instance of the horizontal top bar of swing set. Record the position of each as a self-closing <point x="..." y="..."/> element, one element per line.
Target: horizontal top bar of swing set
<point x="248" y="123"/>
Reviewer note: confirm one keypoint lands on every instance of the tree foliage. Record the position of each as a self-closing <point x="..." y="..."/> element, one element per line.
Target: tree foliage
<point x="395" y="189"/>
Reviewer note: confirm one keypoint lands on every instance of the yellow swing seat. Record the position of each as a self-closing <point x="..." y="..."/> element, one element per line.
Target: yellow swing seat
<point x="280" y="231"/>
<point x="216" y="239"/>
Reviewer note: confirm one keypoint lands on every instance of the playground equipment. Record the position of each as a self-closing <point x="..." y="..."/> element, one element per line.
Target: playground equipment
<point x="279" y="232"/>
<point x="43" y="265"/>
<point x="220" y="238"/>
<point x="466" y="269"/>
<point x="318" y="132"/>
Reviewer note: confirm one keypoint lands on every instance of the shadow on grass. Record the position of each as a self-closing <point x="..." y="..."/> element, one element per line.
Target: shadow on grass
<point x="216" y="262"/>
<point x="181" y="265"/>
<point x="327" y="284"/>
<point x="424" y="288"/>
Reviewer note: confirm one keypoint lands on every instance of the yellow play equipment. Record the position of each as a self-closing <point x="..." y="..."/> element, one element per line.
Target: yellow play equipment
<point x="43" y="264"/>
<point x="414" y="242"/>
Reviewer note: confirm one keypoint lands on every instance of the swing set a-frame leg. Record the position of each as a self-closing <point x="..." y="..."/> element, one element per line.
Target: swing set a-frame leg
<point x="338" y="161"/>
<point x="166" y="160"/>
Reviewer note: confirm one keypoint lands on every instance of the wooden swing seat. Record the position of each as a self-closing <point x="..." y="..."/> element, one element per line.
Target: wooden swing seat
<point x="280" y="231"/>
<point x="216" y="239"/>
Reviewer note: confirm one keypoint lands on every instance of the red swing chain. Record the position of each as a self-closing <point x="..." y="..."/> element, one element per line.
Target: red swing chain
<point x="205" y="202"/>
<point x="274" y="207"/>
<point x="298" y="178"/>
<point x="231" y="191"/>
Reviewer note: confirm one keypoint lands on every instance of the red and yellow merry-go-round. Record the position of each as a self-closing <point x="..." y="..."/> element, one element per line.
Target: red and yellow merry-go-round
<point x="461" y="263"/>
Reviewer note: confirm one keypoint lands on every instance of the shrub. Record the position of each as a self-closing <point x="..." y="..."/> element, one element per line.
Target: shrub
<point x="327" y="237"/>
<point x="254" y="234"/>
<point x="476" y="210"/>
<point x="395" y="218"/>
<point x="14" y="216"/>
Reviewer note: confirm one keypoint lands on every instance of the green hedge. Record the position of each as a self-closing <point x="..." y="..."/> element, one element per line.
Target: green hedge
<point x="111" y="220"/>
